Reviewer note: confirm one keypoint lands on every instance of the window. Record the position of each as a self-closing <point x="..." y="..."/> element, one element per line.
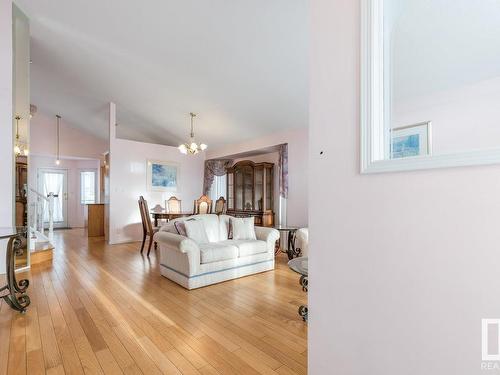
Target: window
<point x="218" y="188"/>
<point x="88" y="188"/>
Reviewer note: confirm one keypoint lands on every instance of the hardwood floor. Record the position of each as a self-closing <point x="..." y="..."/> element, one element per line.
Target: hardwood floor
<point x="105" y="309"/>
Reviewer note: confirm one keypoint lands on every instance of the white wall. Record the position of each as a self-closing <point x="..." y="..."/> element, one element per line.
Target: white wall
<point x="21" y="71"/>
<point x="403" y="265"/>
<point x="73" y="142"/>
<point x="128" y="181"/>
<point x="76" y="212"/>
<point x="298" y="173"/>
<point x="6" y="117"/>
<point x="6" y="124"/>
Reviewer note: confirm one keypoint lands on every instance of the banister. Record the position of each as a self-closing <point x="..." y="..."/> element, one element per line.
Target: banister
<point x="40" y="212"/>
<point x="39" y="194"/>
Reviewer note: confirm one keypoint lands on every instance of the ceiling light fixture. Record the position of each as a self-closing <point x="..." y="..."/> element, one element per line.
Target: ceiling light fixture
<point x="192" y="147"/>
<point x="20" y="149"/>
<point x="58" y="161"/>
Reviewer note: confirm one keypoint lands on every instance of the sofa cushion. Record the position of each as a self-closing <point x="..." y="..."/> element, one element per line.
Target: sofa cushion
<point x="243" y="228"/>
<point x="211" y="223"/>
<point x="180" y="227"/>
<point x="247" y="247"/>
<point x="195" y="230"/>
<point x="169" y="228"/>
<point x="215" y="252"/>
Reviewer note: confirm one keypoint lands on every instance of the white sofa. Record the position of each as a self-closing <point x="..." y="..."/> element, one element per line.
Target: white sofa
<point x="194" y="265"/>
<point x="302" y="238"/>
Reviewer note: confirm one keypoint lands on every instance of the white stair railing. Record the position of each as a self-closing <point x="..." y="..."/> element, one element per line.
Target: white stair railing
<point x="37" y="208"/>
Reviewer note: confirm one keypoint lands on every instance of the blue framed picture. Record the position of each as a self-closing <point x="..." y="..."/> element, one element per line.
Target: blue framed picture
<point x="411" y="141"/>
<point x="162" y="175"/>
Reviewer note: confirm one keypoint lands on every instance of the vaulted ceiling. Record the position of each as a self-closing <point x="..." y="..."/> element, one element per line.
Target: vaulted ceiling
<point x="240" y="64"/>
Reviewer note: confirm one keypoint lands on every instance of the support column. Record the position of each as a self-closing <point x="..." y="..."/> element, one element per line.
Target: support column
<point x="109" y="228"/>
<point x="6" y="125"/>
<point x="6" y="118"/>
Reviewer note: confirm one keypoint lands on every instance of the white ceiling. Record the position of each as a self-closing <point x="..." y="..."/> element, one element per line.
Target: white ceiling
<point x="442" y="44"/>
<point x="242" y="65"/>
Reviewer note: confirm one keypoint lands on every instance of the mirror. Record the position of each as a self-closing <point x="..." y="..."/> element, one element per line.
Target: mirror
<point x="430" y="84"/>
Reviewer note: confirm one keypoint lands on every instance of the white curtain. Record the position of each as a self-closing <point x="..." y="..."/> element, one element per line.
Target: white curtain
<point x="218" y="188"/>
<point x="53" y="183"/>
<point x="87" y="187"/>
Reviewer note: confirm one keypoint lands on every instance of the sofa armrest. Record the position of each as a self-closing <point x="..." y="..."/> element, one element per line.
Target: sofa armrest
<point x="178" y="253"/>
<point x="270" y="235"/>
<point x="176" y="242"/>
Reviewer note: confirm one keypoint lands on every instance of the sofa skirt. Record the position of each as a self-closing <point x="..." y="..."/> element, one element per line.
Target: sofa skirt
<point x="216" y="276"/>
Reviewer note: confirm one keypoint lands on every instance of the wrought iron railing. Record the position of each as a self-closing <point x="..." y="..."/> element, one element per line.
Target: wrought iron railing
<point x="14" y="293"/>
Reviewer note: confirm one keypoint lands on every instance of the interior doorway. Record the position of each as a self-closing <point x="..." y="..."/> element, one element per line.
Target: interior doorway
<point x="55" y="181"/>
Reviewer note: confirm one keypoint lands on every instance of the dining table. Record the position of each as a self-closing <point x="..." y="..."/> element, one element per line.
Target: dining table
<point x="161" y="215"/>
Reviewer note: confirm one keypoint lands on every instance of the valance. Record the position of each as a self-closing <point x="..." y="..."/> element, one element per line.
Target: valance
<point x="215" y="167"/>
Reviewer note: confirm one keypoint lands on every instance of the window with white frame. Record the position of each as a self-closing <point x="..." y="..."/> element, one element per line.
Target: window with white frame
<point x="88" y="187"/>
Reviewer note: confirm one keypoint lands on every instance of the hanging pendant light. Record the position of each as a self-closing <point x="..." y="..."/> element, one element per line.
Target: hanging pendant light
<point x="58" y="161"/>
<point x="192" y="147"/>
<point x="20" y="149"/>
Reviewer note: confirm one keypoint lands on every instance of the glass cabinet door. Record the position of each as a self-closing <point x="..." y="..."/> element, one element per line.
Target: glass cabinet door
<point x="248" y="187"/>
<point x="238" y="190"/>
<point x="259" y="189"/>
<point x="230" y="191"/>
<point x="269" y="189"/>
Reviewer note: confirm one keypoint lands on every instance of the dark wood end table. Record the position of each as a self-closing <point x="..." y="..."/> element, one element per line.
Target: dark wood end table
<point x="301" y="266"/>
<point x="291" y="250"/>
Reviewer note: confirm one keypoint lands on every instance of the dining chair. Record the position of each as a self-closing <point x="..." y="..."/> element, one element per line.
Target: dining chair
<point x="147" y="225"/>
<point x="220" y="206"/>
<point x="173" y="205"/>
<point x="203" y="205"/>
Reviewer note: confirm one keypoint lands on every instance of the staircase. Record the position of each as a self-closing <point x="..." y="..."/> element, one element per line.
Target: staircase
<point x="40" y="241"/>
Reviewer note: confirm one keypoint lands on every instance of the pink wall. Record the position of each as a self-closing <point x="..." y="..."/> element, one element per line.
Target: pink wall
<point x="128" y="181"/>
<point x="297" y="139"/>
<point x="403" y="265"/>
<point x="75" y="211"/>
<point x="73" y="142"/>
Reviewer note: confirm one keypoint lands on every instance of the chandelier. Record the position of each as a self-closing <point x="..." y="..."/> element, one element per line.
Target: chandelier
<point x="20" y="148"/>
<point x="192" y="147"/>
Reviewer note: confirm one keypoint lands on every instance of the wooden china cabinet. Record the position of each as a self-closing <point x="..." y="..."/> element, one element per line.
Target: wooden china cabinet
<point x="21" y="191"/>
<point x="250" y="191"/>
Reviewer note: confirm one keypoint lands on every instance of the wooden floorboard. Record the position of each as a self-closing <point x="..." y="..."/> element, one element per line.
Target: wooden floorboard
<point x="100" y="309"/>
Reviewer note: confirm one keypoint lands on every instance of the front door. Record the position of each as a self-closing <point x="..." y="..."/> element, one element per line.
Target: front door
<point x="55" y="181"/>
